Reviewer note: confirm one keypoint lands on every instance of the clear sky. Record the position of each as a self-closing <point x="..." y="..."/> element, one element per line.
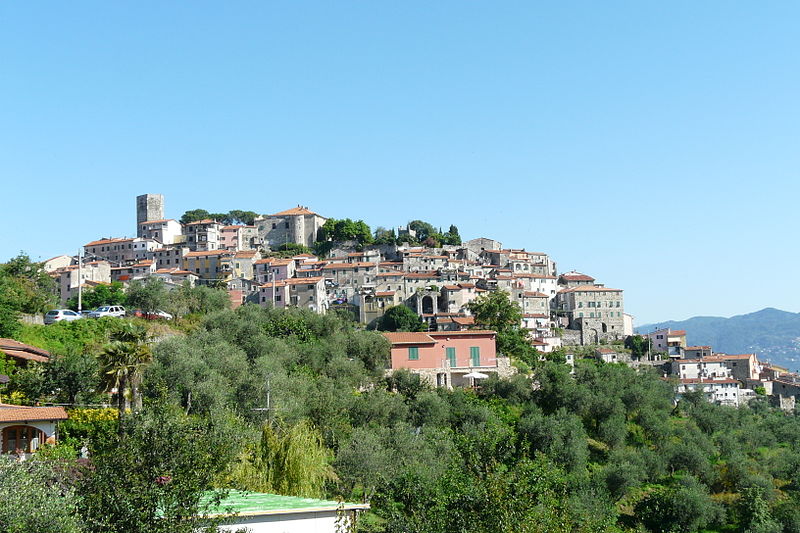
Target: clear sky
<point x="654" y="145"/>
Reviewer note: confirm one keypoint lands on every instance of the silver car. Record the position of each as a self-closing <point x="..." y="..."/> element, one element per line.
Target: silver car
<point x="57" y="315"/>
<point x="108" y="310"/>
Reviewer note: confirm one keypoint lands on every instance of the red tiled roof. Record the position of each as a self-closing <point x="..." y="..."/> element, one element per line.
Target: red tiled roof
<point x="294" y="212"/>
<point x="408" y="337"/>
<point x="208" y="253"/>
<point x="106" y="241"/>
<point x="293" y="281"/>
<point x="204" y="221"/>
<point x="480" y="332"/>
<point x="384" y="294"/>
<point x="19" y="350"/>
<point x="20" y="413"/>
<point x="589" y="288"/>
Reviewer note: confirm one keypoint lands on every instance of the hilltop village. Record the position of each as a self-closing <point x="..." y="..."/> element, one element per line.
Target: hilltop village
<point x="271" y="262"/>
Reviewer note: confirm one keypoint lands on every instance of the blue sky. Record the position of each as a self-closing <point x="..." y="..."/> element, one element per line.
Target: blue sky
<point x="652" y="145"/>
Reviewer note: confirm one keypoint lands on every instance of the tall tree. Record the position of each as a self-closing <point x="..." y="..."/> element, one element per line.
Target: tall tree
<point x="496" y="311"/>
<point x="193" y="215"/>
<point x="122" y="362"/>
<point x="400" y="318"/>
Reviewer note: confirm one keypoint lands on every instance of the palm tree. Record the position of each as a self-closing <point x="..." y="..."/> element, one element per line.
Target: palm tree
<point x="122" y="361"/>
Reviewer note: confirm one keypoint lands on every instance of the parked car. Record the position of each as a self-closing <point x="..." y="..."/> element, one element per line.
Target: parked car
<point x="153" y="315"/>
<point x="108" y="310"/>
<point x="57" y="315"/>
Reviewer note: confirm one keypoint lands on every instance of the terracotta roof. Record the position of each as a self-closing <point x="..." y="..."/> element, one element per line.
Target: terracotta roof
<point x="19" y="350"/>
<point x="273" y="261"/>
<point x="589" y="288"/>
<point x="246" y="253"/>
<point x="464" y="320"/>
<point x="403" y="337"/>
<point x="293" y="281"/>
<point x="295" y="211"/>
<point x="384" y="294"/>
<point x="697" y="348"/>
<point x="534" y="294"/>
<point x="231" y="227"/>
<point x="535" y="315"/>
<point x="576" y="276"/>
<point x="106" y="241"/>
<point x="204" y="221"/>
<point x="208" y="252"/>
<point x="452" y="287"/>
<point x="481" y="332"/>
<point x="21" y="413"/>
<point x="346" y="266"/>
<point x="677" y="332"/>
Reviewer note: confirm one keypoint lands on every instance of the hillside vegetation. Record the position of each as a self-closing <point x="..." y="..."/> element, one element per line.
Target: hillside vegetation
<point x="605" y="450"/>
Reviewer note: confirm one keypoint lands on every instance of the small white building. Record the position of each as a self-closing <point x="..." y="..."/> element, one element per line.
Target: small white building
<point x="271" y="513"/>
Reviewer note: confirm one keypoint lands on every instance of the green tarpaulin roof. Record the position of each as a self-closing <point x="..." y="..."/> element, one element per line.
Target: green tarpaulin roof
<point x="258" y="503"/>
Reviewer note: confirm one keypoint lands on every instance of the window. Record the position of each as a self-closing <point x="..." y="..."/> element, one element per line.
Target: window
<point x="475" y="355"/>
<point x="413" y="353"/>
<point x="274" y="226"/>
<point x="451" y="355"/>
<point x="287" y="225"/>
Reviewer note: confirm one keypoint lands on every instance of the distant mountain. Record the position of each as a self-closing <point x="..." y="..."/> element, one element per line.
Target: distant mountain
<point x="771" y="333"/>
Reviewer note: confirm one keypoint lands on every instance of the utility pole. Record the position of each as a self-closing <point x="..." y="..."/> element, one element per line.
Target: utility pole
<point x="268" y="392"/>
<point x="80" y="279"/>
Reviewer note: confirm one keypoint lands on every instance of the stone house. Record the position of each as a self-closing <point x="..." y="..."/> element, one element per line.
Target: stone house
<point x="209" y="265"/>
<point x="663" y="339"/>
<point x="697" y="352"/>
<point x="306" y="293"/>
<point x="455" y="297"/>
<point x="56" y="263"/>
<point x="171" y="257"/>
<point x="203" y="235"/>
<point x="355" y="275"/>
<point x="273" y="269"/>
<point x="71" y="277"/>
<point x="602" y="306"/>
<point x="244" y="263"/>
<point x="476" y="246"/>
<point x="298" y="225"/>
<point x="238" y="237"/>
<point x="373" y="304"/>
<point x="574" y="278"/>
<point x="119" y="251"/>
<point x="174" y="277"/>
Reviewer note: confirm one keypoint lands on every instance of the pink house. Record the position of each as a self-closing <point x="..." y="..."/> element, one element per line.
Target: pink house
<point x="444" y="358"/>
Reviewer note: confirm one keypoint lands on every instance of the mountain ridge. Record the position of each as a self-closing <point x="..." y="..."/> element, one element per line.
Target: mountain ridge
<point x="771" y="333"/>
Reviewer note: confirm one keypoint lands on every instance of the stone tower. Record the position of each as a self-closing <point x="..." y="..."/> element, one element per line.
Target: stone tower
<point x="149" y="207"/>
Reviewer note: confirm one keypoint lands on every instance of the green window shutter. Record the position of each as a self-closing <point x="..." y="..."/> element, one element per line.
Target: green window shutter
<point x="475" y="355"/>
<point x="451" y="355"/>
<point x="413" y="353"/>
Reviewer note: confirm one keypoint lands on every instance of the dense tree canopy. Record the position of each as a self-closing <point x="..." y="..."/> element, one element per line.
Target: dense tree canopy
<point x="299" y="403"/>
<point x="400" y="318"/>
